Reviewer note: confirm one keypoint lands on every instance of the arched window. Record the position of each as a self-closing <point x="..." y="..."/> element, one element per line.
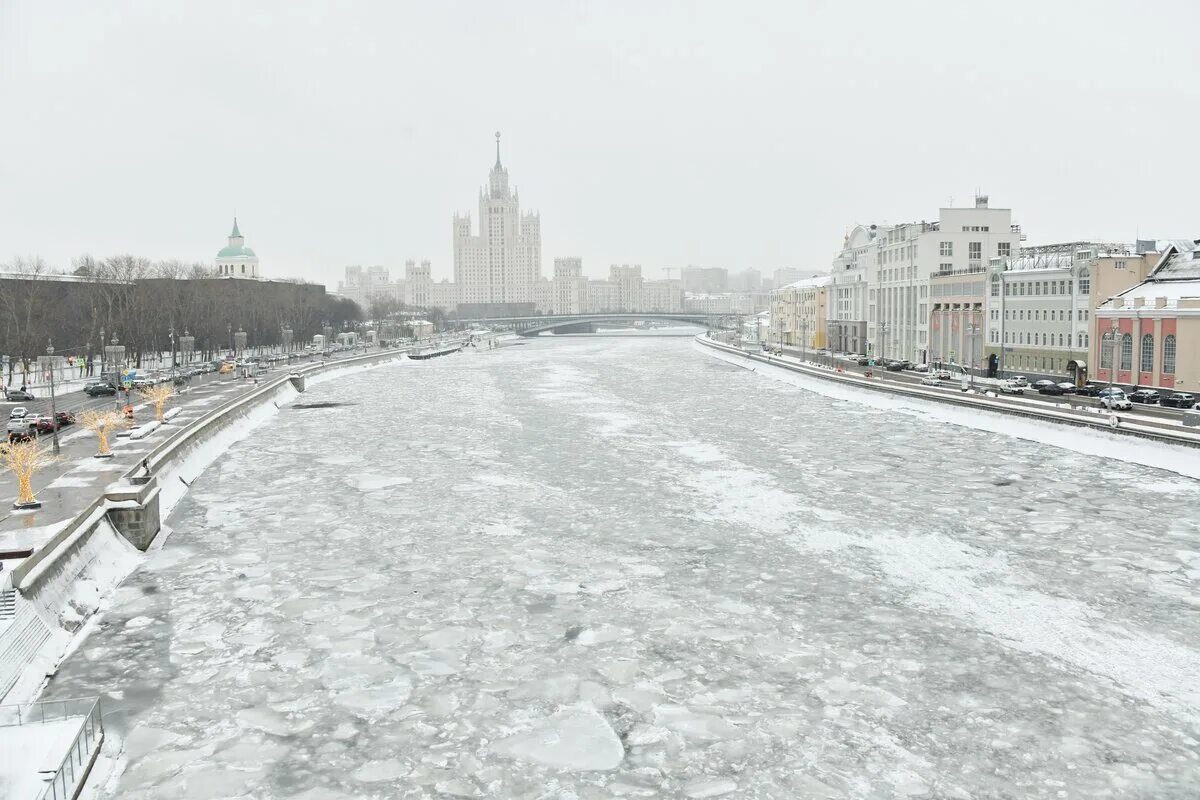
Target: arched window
<point x="1147" y="362"/>
<point x="1060" y="340"/>
<point x="1106" y="351"/>
<point x="1169" y="355"/>
<point x="1127" y="351"/>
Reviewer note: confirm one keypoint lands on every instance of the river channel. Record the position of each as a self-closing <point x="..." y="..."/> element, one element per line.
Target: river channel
<point x="618" y="567"/>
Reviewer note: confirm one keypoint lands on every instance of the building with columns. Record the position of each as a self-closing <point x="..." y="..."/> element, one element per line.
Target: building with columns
<point x="1149" y="334"/>
<point x="502" y="263"/>
<point x="235" y="260"/>
<point x="907" y="256"/>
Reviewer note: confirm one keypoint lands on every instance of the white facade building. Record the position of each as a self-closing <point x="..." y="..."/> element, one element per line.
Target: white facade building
<point x="664" y="297"/>
<point x="418" y="283"/>
<point x="235" y="260"/>
<point x="570" y="286"/>
<point x="708" y="303"/>
<point x="603" y="296"/>
<point x="963" y="239"/>
<point x="847" y="326"/>
<point x="503" y="262"/>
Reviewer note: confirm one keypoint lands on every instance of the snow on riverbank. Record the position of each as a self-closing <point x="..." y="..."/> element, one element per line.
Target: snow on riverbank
<point x="1161" y="455"/>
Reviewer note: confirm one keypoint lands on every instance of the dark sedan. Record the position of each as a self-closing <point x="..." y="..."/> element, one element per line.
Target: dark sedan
<point x="1145" y="396"/>
<point x="99" y="388"/>
<point x="1179" y="400"/>
<point x="1049" y="387"/>
<point x="18" y="395"/>
<point x="1090" y="390"/>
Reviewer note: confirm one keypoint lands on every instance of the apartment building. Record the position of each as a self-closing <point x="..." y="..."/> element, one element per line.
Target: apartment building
<point x="799" y="313"/>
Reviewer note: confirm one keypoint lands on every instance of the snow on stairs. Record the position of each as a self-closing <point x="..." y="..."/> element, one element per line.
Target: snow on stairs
<point x="8" y="604"/>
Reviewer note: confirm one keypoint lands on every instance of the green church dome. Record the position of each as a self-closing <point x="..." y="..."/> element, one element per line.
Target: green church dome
<point x="236" y="252"/>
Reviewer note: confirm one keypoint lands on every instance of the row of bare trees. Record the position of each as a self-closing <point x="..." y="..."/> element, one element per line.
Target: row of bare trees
<point x="144" y="303"/>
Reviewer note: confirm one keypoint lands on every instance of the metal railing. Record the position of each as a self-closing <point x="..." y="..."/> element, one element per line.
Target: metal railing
<point x="64" y="783"/>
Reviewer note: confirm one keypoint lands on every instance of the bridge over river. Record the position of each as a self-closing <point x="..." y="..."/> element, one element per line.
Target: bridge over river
<point x="580" y="323"/>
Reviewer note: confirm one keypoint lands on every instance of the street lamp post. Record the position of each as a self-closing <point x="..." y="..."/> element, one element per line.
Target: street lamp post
<point x="53" y="407"/>
<point x="229" y="330"/>
<point x="972" y="329"/>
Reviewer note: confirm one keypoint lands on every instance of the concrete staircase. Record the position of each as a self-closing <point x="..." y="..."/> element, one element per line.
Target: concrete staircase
<point x="8" y="604"/>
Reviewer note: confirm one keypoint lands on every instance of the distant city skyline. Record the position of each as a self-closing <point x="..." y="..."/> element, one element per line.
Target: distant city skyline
<point x="698" y="133"/>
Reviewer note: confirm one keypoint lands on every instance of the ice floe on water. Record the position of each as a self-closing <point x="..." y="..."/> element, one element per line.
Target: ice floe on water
<point x="623" y="569"/>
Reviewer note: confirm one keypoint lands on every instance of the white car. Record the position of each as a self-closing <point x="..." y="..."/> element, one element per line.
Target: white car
<point x="1011" y="387"/>
<point x="18" y="412"/>
<point x="1116" y="401"/>
<point x="1019" y="380"/>
<point x="931" y="380"/>
<point x="942" y="374"/>
<point x="920" y="368"/>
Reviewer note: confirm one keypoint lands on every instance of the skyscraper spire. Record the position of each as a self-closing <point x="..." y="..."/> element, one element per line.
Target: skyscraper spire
<point x="497" y="150"/>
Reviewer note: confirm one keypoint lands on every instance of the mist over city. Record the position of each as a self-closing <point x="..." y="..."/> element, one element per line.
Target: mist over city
<point x="588" y="400"/>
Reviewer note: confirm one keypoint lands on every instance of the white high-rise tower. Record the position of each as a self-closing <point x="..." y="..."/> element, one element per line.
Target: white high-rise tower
<point x="504" y="261"/>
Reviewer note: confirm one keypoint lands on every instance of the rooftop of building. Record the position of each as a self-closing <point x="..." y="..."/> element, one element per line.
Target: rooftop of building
<point x="811" y="283"/>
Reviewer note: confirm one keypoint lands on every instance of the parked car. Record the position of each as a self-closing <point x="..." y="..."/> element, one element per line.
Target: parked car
<point x="930" y="380"/>
<point x="1115" y="400"/>
<point x="862" y="361"/>
<point x="46" y="423"/>
<point x="1148" y="397"/>
<point x="1011" y="387"/>
<point x="18" y="413"/>
<point x="920" y="368"/>
<point x="21" y="429"/>
<point x="1179" y="400"/>
<point x="943" y="374"/>
<point x="1089" y="390"/>
<point x="1048" y="387"/>
<point x="98" y="388"/>
<point x="226" y="368"/>
<point x="1020" y="380"/>
<point x="1067" y="387"/>
<point x="18" y="395"/>
<point x="65" y="418"/>
<point x="895" y="366"/>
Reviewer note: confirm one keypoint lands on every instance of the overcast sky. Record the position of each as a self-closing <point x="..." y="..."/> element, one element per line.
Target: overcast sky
<point x="724" y="134"/>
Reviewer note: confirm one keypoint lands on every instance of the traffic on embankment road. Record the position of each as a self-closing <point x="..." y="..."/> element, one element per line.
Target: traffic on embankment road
<point x="1147" y="421"/>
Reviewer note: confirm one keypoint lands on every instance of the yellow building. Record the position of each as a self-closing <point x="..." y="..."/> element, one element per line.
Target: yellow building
<point x="799" y="312"/>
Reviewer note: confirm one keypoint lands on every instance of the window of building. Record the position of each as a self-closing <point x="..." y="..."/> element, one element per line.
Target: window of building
<point x="1168" y="365"/>
<point x="1085" y="282"/>
<point x="1147" y="362"/>
<point x="1007" y="289"/>
<point x="946" y="249"/>
<point x="975" y="251"/>
<point x="1127" y="351"/>
<point x="1106" y="352"/>
<point x="995" y="286"/>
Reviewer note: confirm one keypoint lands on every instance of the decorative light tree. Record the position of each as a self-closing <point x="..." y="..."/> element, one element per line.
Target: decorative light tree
<point x="24" y="459"/>
<point x="158" y="396"/>
<point x="102" y="423"/>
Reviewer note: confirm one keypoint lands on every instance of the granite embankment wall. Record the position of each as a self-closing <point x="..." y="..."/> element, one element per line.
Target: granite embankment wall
<point x="60" y="585"/>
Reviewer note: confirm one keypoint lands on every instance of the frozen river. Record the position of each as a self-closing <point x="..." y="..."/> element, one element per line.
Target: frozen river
<point x="620" y="568"/>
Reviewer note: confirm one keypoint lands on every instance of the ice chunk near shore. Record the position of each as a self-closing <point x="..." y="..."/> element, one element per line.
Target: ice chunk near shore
<point x="576" y="738"/>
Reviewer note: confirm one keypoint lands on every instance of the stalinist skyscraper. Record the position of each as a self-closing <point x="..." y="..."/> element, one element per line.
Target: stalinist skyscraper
<point x="503" y="262"/>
